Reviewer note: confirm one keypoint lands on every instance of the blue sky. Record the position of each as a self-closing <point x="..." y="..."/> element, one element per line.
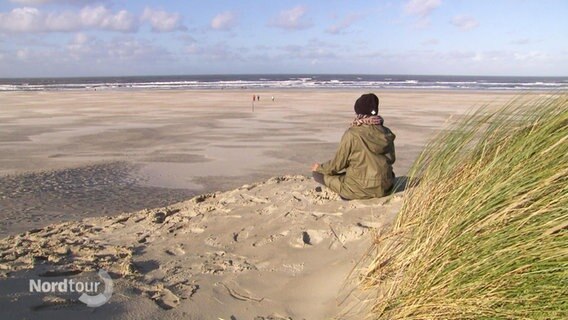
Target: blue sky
<point x="140" y="37"/>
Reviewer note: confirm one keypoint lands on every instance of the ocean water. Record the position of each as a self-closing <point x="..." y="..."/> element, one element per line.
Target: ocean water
<point x="292" y="81"/>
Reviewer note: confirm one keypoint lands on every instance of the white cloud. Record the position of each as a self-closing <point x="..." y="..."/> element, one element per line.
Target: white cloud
<point x="421" y="8"/>
<point x="86" y="54"/>
<point x="292" y="19"/>
<point x="31" y="2"/>
<point x="101" y="17"/>
<point x="163" y="21"/>
<point x="83" y="47"/>
<point x="343" y="24"/>
<point x="33" y="20"/>
<point x="40" y="2"/>
<point x="224" y="21"/>
<point x="464" y="23"/>
<point x="21" y="20"/>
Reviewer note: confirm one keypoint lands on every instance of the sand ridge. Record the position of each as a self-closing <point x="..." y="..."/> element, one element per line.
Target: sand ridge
<point x="278" y="249"/>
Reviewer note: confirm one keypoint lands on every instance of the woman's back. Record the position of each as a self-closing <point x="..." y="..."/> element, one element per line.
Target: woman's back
<point x="369" y="172"/>
<point x="362" y="166"/>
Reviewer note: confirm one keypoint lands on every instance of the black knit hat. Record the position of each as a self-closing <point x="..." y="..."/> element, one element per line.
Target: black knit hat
<point x="367" y="104"/>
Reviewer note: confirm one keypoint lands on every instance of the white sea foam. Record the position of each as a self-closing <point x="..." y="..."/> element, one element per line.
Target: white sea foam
<point x="286" y="82"/>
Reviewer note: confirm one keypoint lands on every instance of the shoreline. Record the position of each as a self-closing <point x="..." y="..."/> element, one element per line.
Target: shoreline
<point x="277" y="89"/>
<point x="371" y="82"/>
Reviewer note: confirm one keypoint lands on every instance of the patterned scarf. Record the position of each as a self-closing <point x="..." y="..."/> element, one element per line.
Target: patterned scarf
<point x="363" y="119"/>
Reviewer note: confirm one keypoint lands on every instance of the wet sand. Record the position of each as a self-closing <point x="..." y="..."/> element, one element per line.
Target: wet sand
<point x="32" y="200"/>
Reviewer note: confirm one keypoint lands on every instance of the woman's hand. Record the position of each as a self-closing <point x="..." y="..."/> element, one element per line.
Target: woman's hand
<point x="315" y="166"/>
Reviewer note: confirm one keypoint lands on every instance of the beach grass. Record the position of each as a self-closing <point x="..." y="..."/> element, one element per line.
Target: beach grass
<point x="483" y="229"/>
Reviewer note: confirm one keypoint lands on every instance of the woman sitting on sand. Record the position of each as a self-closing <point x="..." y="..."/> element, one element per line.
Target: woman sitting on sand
<point x="362" y="166"/>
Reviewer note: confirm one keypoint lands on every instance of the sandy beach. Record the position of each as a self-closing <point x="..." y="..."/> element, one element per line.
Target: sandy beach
<point x="71" y="155"/>
<point x="196" y="206"/>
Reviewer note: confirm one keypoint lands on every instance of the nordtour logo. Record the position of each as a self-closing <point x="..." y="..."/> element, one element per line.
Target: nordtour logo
<point x="91" y="294"/>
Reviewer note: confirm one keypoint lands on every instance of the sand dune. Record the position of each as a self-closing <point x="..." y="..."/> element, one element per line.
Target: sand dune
<point x="277" y="249"/>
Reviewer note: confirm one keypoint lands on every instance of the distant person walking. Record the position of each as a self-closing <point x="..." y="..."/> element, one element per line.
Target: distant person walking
<point x="362" y="166"/>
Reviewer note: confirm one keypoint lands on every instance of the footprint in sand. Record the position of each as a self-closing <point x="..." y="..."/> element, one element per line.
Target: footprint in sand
<point x="184" y="290"/>
<point x="220" y="262"/>
<point x="267" y="210"/>
<point x="271" y="238"/>
<point x="320" y="195"/>
<point x="143" y="238"/>
<point x="165" y="299"/>
<point x="345" y="234"/>
<point x="309" y="237"/>
<point x="176" y="251"/>
<point x="213" y="242"/>
<point x="243" y="234"/>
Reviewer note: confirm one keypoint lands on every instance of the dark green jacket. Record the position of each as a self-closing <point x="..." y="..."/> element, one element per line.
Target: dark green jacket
<point x="362" y="166"/>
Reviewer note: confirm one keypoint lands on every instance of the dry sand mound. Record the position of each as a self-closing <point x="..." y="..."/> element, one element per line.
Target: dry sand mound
<point x="279" y="249"/>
